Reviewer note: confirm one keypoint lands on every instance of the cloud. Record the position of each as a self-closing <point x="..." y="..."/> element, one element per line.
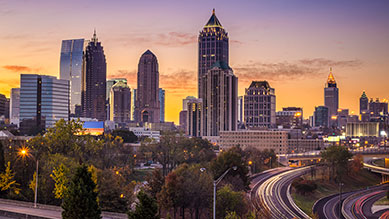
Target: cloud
<point x="180" y="81"/>
<point x="130" y="75"/>
<point x="283" y="71"/>
<point x="20" y="68"/>
<point x="170" y="39"/>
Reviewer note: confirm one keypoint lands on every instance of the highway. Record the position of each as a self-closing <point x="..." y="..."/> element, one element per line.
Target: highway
<point x="274" y="192"/>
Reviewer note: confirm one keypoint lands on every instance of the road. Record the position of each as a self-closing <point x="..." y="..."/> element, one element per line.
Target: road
<point x="273" y="191"/>
<point x="360" y="203"/>
<point x="18" y="209"/>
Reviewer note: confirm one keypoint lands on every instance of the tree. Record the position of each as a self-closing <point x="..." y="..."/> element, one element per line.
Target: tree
<point x="230" y="201"/>
<point x="146" y="208"/>
<point x="239" y="177"/>
<point x="337" y="157"/>
<point x="126" y="135"/>
<point x="80" y="200"/>
<point x="60" y="176"/>
<point x="232" y="215"/>
<point x="155" y="183"/>
<point x="7" y="182"/>
<point x="2" y="159"/>
<point x="356" y="164"/>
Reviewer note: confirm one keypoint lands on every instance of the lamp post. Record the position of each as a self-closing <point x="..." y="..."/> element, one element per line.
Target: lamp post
<point x="215" y="182"/>
<point x="25" y="153"/>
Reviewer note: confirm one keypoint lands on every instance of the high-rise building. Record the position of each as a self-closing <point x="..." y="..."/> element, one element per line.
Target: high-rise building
<point x="220" y="91"/>
<point x="94" y="81"/>
<point x="260" y="105"/>
<point x="7" y="103"/>
<point x="147" y="108"/>
<point x="71" y="69"/>
<point x="133" y="104"/>
<point x="331" y="95"/>
<point x="213" y="47"/>
<point x="194" y="117"/>
<point x="161" y="96"/>
<point x="120" y="103"/>
<point x="15" y="106"/>
<point x="240" y="110"/>
<point x="3" y="102"/>
<point x="110" y="83"/>
<point x="183" y="121"/>
<point x="321" y="117"/>
<point x="43" y="101"/>
<point x="364" y="107"/>
<point x="377" y="109"/>
<point x="185" y="102"/>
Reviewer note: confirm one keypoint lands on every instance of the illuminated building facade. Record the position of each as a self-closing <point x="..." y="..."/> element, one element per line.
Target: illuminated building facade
<point x="290" y="117"/>
<point x="220" y="91"/>
<point x="15" y="106"/>
<point x="94" y="81"/>
<point x="161" y="96"/>
<point x="331" y="95"/>
<point x="213" y="47"/>
<point x="194" y="117"/>
<point x="260" y="105"/>
<point x="147" y="105"/>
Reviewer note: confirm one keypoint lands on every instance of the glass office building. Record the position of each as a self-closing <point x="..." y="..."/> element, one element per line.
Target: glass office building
<point x="43" y="101"/>
<point x="161" y="104"/>
<point x="71" y="68"/>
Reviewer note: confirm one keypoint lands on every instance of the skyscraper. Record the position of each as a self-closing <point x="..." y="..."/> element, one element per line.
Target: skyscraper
<point x="15" y="106"/>
<point x="147" y="108"/>
<point x="94" y="81"/>
<point x="120" y="103"/>
<point x="213" y="47"/>
<point x="363" y="103"/>
<point x="3" y="102"/>
<point x="240" y="110"/>
<point x="194" y="117"/>
<point x="43" y="101"/>
<point x="331" y="95"/>
<point x="220" y="91"/>
<point x="161" y="96"/>
<point x="321" y="118"/>
<point x="111" y="82"/>
<point x="71" y="69"/>
<point x="260" y="105"/>
<point x="133" y="104"/>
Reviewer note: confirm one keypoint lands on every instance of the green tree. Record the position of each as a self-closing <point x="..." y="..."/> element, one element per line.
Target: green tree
<point x="337" y="158"/>
<point x="230" y="201"/>
<point x="7" y="182"/>
<point x="238" y="178"/>
<point x="146" y="208"/>
<point x="80" y="201"/>
<point x="60" y="176"/>
<point x="126" y="135"/>
<point x="232" y="215"/>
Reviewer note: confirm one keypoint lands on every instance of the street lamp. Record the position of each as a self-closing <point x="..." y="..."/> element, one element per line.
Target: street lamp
<point x="215" y="182"/>
<point x="23" y="152"/>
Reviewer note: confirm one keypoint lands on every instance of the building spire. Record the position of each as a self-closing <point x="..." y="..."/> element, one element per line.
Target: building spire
<point x="94" y="38"/>
<point x="213" y="11"/>
<point x="331" y="78"/>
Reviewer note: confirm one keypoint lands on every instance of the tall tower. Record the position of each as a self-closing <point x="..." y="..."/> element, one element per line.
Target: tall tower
<point x="331" y="95"/>
<point x="363" y="103"/>
<point x="94" y="81"/>
<point x="71" y="69"/>
<point x="220" y="107"/>
<point x="213" y="47"/>
<point x="147" y="108"/>
<point x="120" y="102"/>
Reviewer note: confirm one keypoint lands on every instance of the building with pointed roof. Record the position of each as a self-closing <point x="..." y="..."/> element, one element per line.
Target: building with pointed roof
<point x="94" y="81"/>
<point x="363" y="104"/>
<point x="331" y="98"/>
<point x="147" y="104"/>
<point x="213" y="47"/>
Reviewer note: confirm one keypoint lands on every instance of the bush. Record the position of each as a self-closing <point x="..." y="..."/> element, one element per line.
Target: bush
<point x="303" y="186"/>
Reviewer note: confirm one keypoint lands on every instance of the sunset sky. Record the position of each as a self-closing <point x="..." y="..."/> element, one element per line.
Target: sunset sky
<point x="290" y="43"/>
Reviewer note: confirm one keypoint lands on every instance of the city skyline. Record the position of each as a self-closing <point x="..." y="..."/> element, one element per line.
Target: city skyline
<point x="353" y="43"/>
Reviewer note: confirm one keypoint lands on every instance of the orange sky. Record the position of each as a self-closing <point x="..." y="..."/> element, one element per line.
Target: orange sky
<point x="292" y="45"/>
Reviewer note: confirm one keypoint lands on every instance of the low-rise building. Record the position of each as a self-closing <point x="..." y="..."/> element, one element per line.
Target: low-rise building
<point x="145" y="132"/>
<point x="362" y="129"/>
<point x="260" y="139"/>
<point x="304" y="145"/>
